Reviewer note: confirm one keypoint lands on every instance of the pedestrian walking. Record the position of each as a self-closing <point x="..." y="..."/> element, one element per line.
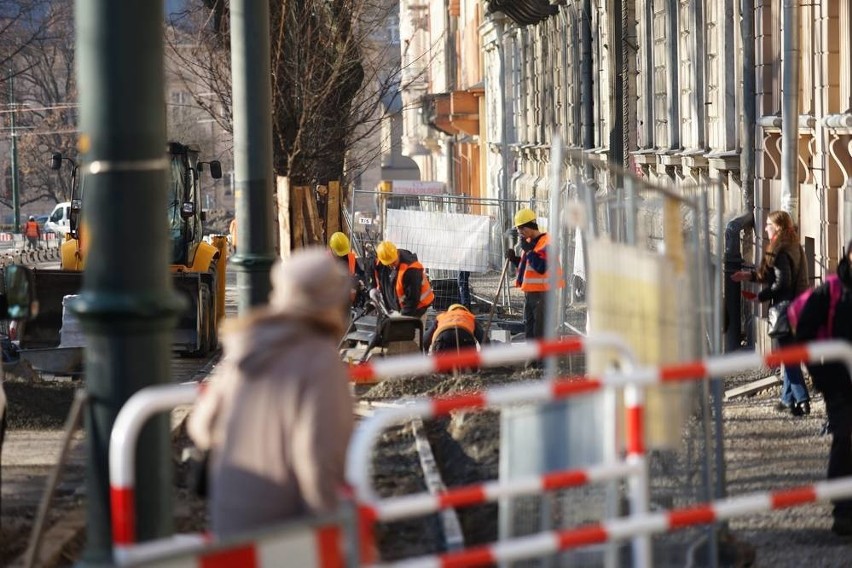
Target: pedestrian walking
<point x="827" y="313"/>
<point x="453" y="330"/>
<point x="402" y="281"/>
<point x="32" y="232"/>
<point x="277" y="415"/>
<point x="784" y="274"/>
<point x="532" y="267"/>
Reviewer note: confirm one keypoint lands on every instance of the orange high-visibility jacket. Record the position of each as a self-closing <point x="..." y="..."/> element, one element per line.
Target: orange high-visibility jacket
<point x="532" y="280"/>
<point x="426" y="294"/>
<point x="461" y="319"/>
<point x="31" y="229"/>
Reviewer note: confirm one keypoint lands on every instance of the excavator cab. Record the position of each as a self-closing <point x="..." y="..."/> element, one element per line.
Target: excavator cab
<point x="198" y="267"/>
<point x="184" y="201"/>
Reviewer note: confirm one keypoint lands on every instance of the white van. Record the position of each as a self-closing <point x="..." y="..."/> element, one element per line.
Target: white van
<point x="59" y="221"/>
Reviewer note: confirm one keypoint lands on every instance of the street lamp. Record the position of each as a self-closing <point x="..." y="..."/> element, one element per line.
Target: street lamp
<point x="16" y="206"/>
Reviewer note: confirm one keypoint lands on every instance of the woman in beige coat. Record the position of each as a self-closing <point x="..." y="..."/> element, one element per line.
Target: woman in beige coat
<point x="277" y="415"/>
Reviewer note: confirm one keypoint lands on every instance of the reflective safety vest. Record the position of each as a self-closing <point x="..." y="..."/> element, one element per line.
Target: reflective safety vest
<point x="31" y="229"/>
<point x="534" y="281"/>
<point x="426" y="294"/>
<point x="350" y="258"/>
<point x="461" y="319"/>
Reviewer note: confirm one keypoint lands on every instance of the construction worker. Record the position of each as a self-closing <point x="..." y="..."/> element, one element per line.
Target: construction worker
<point x="33" y="232"/>
<point x="452" y="330"/>
<point x="401" y="281"/>
<point x="339" y="245"/>
<point x="532" y="276"/>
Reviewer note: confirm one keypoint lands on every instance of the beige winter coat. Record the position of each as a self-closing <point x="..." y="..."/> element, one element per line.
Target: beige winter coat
<point x="278" y="417"/>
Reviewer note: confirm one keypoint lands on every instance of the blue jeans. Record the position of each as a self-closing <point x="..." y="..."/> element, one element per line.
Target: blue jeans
<point x="793" y="387"/>
<point x="464" y="288"/>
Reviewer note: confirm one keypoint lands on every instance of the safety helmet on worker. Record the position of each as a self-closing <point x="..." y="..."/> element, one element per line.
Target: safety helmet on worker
<point x="524" y="216"/>
<point x="32" y="218"/>
<point x="387" y="253"/>
<point x="458" y="307"/>
<point x="339" y="243"/>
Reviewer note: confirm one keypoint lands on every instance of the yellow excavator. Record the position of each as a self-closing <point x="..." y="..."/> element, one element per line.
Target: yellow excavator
<point x="198" y="267"/>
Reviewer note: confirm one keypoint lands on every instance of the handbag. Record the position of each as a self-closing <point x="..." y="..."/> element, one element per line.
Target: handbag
<point x="779" y="323"/>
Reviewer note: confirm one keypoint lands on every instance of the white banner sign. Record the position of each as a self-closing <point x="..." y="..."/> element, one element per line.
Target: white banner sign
<point x="448" y="241"/>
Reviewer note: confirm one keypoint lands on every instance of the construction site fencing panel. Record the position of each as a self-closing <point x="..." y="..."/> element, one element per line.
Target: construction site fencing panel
<point x="636" y="260"/>
<point x="449" y="234"/>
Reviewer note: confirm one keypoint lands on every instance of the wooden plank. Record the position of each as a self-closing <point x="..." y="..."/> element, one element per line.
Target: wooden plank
<point x="297" y="211"/>
<point x="332" y="209"/>
<point x="313" y="229"/>
<point x="753" y="387"/>
<point x="282" y="187"/>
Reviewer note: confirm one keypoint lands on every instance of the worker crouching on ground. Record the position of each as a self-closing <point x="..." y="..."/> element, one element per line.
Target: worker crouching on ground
<point x="532" y="267"/>
<point x="401" y="281"/>
<point x="452" y="330"/>
<point x="339" y="245"/>
<point x="277" y="416"/>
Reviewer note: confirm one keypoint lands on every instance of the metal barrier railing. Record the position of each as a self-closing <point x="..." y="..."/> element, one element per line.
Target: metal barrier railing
<point x="641" y="524"/>
<point x="374" y="509"/>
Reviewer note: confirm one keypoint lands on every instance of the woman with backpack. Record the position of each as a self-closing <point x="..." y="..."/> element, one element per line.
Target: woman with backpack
<point x="826" y="314"/>
<point x="784" y="274"/>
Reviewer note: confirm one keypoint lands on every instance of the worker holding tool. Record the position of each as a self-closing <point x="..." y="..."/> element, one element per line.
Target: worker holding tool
<point x="532" y="267"/>
<point x="402" y="281"/>
<point x="452" y="330"/>
<point x="339" y="245"/>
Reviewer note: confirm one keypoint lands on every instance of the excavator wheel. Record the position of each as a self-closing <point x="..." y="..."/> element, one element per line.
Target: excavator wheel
<point x="204" y="321"/>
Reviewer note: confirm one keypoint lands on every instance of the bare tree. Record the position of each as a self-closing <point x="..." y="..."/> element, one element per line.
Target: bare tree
<point x="38" y="44"/>
<point x="330" y="74"/>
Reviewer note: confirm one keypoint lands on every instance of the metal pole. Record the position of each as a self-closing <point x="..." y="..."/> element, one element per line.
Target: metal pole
<point x="790" y="111"/>
<point x="252" y="99"/>
<point x="617" y="147"/>
<point x="127" y="309"/>
<point x="16" y="199"/>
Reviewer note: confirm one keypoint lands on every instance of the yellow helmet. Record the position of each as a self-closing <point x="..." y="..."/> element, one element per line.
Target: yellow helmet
<point x="339" y="243"/>
<point x="457" y="307"/>
<point x="387" y="253"/>
<point x="524" y="216"/>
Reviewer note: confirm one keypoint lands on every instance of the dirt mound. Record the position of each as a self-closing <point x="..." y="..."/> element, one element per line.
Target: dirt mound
<point x="40" y="405"/>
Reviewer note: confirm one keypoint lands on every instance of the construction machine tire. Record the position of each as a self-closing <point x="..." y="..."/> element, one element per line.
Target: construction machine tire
<point x="204" y="321"/>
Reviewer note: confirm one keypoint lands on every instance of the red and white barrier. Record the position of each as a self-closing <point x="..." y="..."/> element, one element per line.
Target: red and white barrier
<point x="548" y="543"/>
<point x="488" y="356"/>
<point x="309" y="544"/>
<point x="122" y="451"/>
<point x="360" y="450"/>
<point x="7" y="237"/>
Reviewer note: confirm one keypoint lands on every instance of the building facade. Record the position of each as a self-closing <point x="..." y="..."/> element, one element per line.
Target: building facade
<point x="677" y="91"/>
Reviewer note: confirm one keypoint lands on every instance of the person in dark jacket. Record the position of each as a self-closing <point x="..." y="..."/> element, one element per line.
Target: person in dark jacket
<point x="401" y="280"/>
<point x="784" y="273"/>
<point x="833" y="381"/>
<point x="454" y="329"/>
